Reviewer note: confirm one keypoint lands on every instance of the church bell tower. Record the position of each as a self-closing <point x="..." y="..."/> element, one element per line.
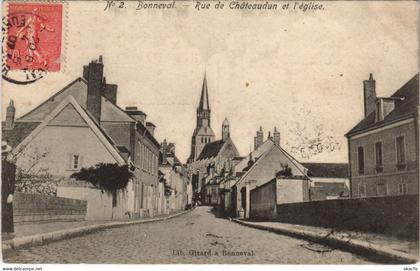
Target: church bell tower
<point x="203" y="133"/>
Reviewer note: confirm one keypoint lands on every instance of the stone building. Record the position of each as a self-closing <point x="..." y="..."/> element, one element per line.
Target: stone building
<point x="384" y="145"/>
<point x="260" y="167"/>
<point x="89" y="102"/>
<point x="209" y="158"/>
<point x="175" y="176"/>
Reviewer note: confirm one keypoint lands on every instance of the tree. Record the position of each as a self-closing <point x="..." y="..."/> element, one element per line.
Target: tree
<point x="105" y="176"/>
<point x="285" y="172"/>
<point x="32" y="178"/>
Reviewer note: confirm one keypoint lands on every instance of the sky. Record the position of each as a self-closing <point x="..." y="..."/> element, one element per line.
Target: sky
<point x="299" y="71"/>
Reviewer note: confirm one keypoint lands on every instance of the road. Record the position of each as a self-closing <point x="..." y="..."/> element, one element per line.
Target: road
<point x="197" y="237"/>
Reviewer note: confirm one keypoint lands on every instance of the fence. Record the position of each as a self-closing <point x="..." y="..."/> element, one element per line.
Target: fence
<point x="44" y="208"/>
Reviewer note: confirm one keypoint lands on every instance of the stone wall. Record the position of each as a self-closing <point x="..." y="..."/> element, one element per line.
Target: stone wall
<point x="396" y="216"/>
<point x="29" y="208"/>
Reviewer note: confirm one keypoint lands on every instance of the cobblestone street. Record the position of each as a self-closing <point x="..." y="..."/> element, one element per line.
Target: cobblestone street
<point x="197" y="237"/>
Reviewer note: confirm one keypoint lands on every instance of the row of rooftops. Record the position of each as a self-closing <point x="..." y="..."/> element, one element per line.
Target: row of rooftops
<point x="15" y="131"/>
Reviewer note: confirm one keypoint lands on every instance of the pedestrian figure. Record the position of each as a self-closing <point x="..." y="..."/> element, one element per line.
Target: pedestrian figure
<point x="8" y="171"/>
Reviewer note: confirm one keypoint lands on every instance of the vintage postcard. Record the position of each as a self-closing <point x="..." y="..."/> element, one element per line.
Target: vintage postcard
<point x="210" y="132"/>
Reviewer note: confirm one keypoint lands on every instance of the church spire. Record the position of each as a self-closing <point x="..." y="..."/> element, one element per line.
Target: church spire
<point x="204" y="100"/>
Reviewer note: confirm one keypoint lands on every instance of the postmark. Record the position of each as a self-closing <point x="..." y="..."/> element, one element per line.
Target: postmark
<point x="32" y="41"/>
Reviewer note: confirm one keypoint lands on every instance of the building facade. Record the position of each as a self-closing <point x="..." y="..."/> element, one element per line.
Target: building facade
<point x="125" y="130"/>
<point x="384" y="145"/>
<point x="260" y="167"/>
<point x="174" y="174"/>
<point x="209" y="158"/>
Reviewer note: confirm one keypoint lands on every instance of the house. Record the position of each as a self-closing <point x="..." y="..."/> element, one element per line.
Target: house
<point x="209" y="158"/>
<point x="82" y="125"/>
<point x="261" y="165"/>
<point x="384" y="145"/>
<point x="178" y="186"/>
<point x="328" y="180"/>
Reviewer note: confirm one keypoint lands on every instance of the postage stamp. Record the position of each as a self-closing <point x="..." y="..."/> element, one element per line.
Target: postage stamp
<point x="32" y="39"/>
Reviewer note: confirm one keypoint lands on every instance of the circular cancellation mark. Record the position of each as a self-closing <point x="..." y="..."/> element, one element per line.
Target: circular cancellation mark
<point x="26" y="67"/>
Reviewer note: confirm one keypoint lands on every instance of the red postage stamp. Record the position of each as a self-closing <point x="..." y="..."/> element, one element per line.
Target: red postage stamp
<point x="34" y="33"/>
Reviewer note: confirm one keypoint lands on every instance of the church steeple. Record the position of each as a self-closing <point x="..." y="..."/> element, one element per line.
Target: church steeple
<point x="203" y="110"/>
<point x="203" y="134"/>
<point x="204" y="99"/>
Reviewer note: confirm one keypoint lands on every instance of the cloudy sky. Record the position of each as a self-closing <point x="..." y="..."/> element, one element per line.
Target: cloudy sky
<point x="301" y="72"/>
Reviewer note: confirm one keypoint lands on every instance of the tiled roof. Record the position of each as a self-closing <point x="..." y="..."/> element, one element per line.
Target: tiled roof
<point x="19" y="132"/>
<point x="211" y="149"/>
<point x="327" y="170"/>
<point x="405" y="108"/>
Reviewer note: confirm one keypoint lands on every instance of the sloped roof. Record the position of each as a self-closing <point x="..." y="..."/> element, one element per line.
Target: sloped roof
<point x="211" y="149"/>
<point x="264" y="147"/>
<point x="294" y="163"/>
<point x="43" y="109"/>
<point x="403" y="109"/>
<point x="19" y="132"/>
<point x="327" y="170"/>
<point x="101" y="135"/>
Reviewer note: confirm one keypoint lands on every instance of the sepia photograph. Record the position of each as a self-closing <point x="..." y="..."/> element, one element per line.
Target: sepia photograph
<point x="210" y="132"/>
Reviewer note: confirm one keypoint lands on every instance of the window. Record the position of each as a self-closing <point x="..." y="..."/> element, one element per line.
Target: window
<point x="400" y="144"/>
<point x="381" y="190"/>
<point x="362" y="189"/>
<point x="75" y="161"/>
<point x="378" y="157"/>
<point x="361" y="160"/>
<point x="402" y="188"/>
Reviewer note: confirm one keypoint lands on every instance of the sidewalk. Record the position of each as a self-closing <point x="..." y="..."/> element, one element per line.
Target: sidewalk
<point x="379" y="246"/>
<point x="28" y="235"/>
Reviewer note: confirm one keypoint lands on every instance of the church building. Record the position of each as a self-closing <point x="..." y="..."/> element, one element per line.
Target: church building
<point x="209" y="158"/>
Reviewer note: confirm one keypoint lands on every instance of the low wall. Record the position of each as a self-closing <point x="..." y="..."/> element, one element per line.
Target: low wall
<point x="396" y="215"/>
<point x="99" y="203"/>
<point x="263" y="201"/>
<point x="29" y="208"/>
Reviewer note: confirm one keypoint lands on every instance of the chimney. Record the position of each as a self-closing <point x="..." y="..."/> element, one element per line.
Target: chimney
<point x="138" y="115"/>
<point x="10" y="115"/>
<point x="258" y="140"/>
<point x="164" y="148"/>
<point x="369" y="94"/>
<point x="151" y="127"/>
<point x="110" y="91"/>
<point x="171" y="153"/>
<point x="171" y="148"/>
<point x="276" y="136"/>
<point x="94" y="74"/>
<point x="269" y="136"/>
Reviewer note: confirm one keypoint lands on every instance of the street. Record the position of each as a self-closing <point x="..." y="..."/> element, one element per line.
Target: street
<point x="197" y="237"/>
